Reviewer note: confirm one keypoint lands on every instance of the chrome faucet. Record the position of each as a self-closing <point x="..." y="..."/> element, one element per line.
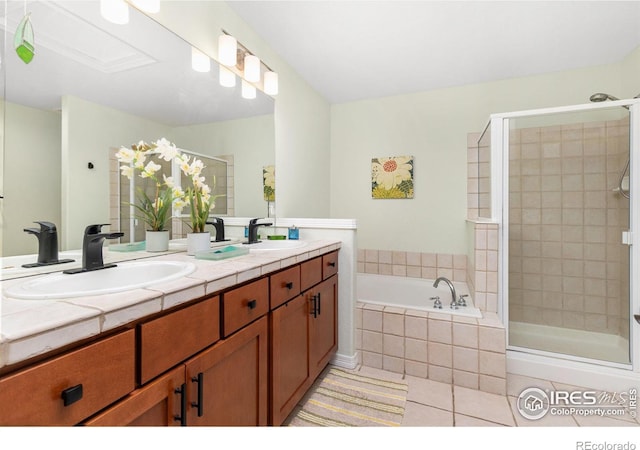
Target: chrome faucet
<point x="92" y="249"/>
<point x="454" y="298"/>
<point x="47" y="245"/>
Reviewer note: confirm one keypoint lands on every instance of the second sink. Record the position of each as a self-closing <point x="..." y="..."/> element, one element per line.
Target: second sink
<point x="125" y="276"/>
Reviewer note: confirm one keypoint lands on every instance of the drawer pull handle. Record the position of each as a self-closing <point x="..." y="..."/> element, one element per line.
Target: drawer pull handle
<point x="331" y="264"/>
<point x="72" y="395"/>
<point x="199" y="379"/>
<point x="182" y="418"/>
<point x="252" y="304"/>
<point x="314" y="308"/>
<point x="289" y="285"/>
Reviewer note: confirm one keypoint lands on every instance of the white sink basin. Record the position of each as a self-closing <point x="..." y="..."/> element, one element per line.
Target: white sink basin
<point x="130" y="275"/>
<point x="276" y="245"/>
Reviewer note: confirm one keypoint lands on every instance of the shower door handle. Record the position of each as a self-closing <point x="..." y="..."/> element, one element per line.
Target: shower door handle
<point x="637" y="317"/>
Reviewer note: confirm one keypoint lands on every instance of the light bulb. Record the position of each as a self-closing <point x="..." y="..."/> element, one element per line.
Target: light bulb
<point x="252" y="68"/>
<point x="227" y="77"/>
<point x="248" y="90"/>
<point x="271" y="83"/>
<point x="115" y="11"/>
<point x="227" y="50"/>
<point x="199" y="61"/>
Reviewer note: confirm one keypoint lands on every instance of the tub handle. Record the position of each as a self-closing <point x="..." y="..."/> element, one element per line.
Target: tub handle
<point x="437" y="304"/>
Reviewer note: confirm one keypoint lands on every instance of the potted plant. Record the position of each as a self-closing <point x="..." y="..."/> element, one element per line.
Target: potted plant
<point x="198" y="197"/>
<point x="155" y="211"/>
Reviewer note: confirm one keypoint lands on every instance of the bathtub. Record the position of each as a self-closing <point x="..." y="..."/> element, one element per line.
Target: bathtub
<point x="412" y="293"/>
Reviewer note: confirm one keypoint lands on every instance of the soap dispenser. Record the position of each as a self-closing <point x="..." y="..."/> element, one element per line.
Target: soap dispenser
<point x="294" y="233"/>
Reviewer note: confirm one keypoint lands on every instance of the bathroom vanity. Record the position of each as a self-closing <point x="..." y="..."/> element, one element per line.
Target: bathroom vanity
<point x="238" y="342"/>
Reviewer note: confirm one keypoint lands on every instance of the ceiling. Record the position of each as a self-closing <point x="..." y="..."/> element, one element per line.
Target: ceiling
<point x="351" y="50"/>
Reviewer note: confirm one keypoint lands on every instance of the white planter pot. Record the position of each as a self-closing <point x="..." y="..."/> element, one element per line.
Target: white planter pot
<point x="198" y="242"/>
<point x="157" y="241"/>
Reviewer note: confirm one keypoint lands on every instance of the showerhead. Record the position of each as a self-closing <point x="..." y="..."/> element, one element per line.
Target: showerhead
<point x="600" y="97"/>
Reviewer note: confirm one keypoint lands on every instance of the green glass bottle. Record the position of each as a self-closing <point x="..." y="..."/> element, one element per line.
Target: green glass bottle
<point x="23" y="41"/>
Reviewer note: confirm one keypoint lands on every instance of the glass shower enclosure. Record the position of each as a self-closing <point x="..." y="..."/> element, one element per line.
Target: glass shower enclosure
<point x="562" y="190"/>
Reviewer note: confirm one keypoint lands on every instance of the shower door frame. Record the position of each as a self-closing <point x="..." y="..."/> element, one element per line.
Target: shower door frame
<point x="500" y="214"/>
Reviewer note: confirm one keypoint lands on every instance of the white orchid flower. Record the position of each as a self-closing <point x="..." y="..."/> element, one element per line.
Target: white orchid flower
<point x="166" y="149"/>
<point x="127" y="171"/>
<point x="125" y="155"/>
<point x="150" y="169"/>
<point x="169" y="181"/>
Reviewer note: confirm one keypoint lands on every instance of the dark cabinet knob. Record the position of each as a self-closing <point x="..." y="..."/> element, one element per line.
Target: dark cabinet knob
<point x="289" y="285"/>
<point x="252" y="304"/>
<point x="71" y="395"/>
<point x="331" y="264"/>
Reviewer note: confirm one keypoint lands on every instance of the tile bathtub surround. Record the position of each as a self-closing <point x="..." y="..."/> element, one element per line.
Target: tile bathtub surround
<point x="482" y="270"/>
<point x="413" y="264"/>
<point x="463" y="351"/>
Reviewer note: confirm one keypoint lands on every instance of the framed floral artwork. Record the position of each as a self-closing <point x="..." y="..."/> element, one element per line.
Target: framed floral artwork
<point x="269" y="183"/>
<point x="392" y="177"/>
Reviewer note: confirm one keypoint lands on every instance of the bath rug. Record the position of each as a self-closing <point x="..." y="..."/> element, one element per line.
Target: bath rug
<point x="343" y="398"/>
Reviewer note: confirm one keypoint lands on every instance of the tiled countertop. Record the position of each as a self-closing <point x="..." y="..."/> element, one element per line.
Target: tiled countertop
<point x="34" y="327"/>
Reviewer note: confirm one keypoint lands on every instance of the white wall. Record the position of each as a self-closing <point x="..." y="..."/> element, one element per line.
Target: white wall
<point x="251" y="141"/>
<point x="31" y="175"/>
<point x="302" y="116"/>
<point x="432" y="126"/>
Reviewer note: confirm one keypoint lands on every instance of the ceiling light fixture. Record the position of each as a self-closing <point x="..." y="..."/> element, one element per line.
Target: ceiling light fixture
<point x="244" y="63"/>
<point x="149" y="6"/>
<point x="248" y="90"/>
<point x="115" y="11"/>
<point x="251" y="68"/>
<point x="227" y="50"/>
<point x="271" y="83"/>
<point x="199" y="61"/>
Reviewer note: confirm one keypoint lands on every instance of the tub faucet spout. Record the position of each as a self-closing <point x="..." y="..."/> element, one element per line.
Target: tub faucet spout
<point x="454" y="298"/>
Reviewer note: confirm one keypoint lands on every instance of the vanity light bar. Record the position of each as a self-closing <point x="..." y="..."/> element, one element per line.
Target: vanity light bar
<point x="232" y="53"/>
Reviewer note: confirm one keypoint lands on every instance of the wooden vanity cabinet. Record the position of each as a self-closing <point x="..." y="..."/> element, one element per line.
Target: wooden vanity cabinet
<point x="304" y="337"/>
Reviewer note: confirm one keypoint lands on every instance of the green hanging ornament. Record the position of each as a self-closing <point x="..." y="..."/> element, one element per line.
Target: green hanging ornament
<point x="23" y="41"/>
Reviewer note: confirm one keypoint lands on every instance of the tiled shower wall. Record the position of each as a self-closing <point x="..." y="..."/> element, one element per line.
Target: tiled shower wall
<point x="567" y="265"/>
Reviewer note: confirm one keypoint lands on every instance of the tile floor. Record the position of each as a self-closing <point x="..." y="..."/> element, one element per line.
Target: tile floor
<point x="431" y="403"/>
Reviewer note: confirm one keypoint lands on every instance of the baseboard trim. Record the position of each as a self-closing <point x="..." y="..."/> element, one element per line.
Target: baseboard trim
<point x="345" y="361"/>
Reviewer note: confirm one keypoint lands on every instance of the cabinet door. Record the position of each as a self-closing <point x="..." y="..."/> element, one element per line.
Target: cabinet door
<point x="160" y="403"/>
<point x="289" y="357"/>
<point x="227" y="383"/>
<point x="323" y="324"/>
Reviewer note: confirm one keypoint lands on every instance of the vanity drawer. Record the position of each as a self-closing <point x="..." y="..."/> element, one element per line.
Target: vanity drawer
<point x="310" y="273"/>
<point x="284" y="286"/>
<point x="329" y="265"/>
<point x="87" y="379"/>
<point x="169" y="340"/>
<point x="243" y="305"/>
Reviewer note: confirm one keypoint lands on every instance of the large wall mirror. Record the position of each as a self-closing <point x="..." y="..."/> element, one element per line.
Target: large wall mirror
<point x="94" y="86"/>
